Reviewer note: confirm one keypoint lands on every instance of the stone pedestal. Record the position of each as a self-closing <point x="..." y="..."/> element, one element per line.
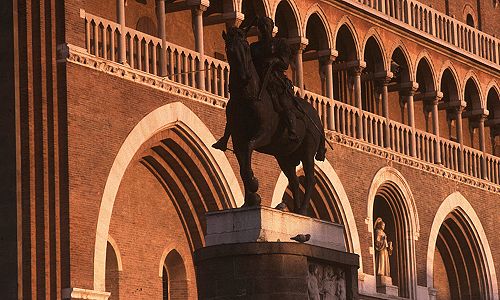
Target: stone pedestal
<point x="384" y="286"/>
<point x="249" y="255"/>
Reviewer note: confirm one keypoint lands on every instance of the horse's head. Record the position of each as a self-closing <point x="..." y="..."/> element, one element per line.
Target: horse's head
<point x="238" y="53"/>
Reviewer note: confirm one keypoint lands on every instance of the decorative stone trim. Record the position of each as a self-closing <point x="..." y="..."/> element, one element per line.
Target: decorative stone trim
<point x="77" y="293"/>
<point x="80" y="56"/>
<point x="74" y="54"/>
<point x="412" y="162"/>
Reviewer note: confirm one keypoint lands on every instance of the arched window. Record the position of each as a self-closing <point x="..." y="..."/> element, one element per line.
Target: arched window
<point x="112" y="273"/>
<point x="470" y="20"/>
<point x="174" y="280"/>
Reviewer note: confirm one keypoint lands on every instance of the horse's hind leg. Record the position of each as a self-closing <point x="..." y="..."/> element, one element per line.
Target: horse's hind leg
<point x="288" y="169"/>
<point x="250" y="183"/>
<point x="308" y="164"/>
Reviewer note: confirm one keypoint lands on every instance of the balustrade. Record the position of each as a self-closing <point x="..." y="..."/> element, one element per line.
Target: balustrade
<point x="143" y="53"/>
<point x="438" y="25"/>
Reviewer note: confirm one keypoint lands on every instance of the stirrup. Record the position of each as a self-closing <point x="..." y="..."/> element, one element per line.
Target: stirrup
<point x="219" y="145"/>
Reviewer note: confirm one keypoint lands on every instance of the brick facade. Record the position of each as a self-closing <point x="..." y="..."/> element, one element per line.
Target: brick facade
<point x="65" y="120"/>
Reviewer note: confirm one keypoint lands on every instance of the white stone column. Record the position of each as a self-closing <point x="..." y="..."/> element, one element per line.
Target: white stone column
<point x="197" y="12"/>
<point x="409" y="92"/>
<point x="122" y="46"/>
<point x="326" y="62"/>
<point x="160" y="14"/>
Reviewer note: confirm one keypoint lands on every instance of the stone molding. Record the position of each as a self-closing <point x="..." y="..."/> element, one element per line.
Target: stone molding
<point x="78" y="293"/>
<point x="415" y="163"/>
<point x="79" y="56"/>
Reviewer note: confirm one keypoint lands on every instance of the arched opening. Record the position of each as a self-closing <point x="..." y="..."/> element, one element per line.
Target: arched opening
<point x="215" y="20"/>
<point x="252" y="9"/>
<point x="343" y="87"/>
<point x="493" y="122"/>
<point x="399" y="85"/>
<point x="471" y="113"/>
<point x="459" y="271"/>
<point x="174" y="279"/>
<point x="470" y="20"/>
<point x="371" y="94"/>
<point x="449" y="88"/>
<point x="389" y="206"/>
<point x="167" y="160"/>
<point x="318" y="46"/>
<point x="112" y="273"/>
<point x="425" y="95"/>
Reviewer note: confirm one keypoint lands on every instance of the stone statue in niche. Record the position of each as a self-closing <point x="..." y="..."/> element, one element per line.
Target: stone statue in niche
<point x="326" y="282"/>
<point x="383" y="249"/>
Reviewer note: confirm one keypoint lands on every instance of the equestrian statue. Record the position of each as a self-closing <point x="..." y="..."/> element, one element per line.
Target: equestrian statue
<point x="263" y="113"/>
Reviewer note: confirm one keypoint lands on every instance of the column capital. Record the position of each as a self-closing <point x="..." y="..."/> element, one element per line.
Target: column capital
<point x="358" y="67"/>
<point x="234" y="18"/>
<point x="198" y="5"/>
<point x="327" y="56"/>
<point x="384" y="77"/>
<point x="298" y="43"/>
<point x="408" y="88"/>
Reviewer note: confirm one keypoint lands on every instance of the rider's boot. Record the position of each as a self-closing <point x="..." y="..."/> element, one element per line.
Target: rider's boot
<point x="291" y="120"/>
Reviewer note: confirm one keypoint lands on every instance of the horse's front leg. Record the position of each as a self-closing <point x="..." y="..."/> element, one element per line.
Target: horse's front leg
<point x="251" y="184"/>
<point x="308" y="164"/>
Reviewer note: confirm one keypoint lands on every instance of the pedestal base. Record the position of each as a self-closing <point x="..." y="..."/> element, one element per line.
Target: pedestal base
<point x="384" y="286"/>
<point x="262" y="270"/>
<point x="249" y="255"/>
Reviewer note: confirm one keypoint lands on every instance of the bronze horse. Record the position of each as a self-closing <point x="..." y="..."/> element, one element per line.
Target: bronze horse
<point x="257" y="126"/>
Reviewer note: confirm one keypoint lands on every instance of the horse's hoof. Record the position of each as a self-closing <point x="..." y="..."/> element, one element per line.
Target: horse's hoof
<point x="252" y="199"/>
<point x="281" y="207"/>
<point x="253" y="184"/>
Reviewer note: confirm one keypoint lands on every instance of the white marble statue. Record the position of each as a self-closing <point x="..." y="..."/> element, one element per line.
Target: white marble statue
<point x="383" y="249"/>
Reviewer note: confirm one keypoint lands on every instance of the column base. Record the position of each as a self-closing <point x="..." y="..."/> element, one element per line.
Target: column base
<point x="384" y="286"/>
<point x="77" y="293"/>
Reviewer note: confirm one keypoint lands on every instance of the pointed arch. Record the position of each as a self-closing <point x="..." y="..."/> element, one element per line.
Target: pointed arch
<point x="265" y="3"/>
<point x="316" y="9"/>
<point x="162" y="118"/>
<point x="456" y="202"/>
<point x="472" y="75"/>
<point x="373" y="33"/>
<point x="114" y="245"/>
<point x="448" y="65"/>
<point x="390" y="187"/>
<point x="406" y="56"/>
<point x="294" y="9"/>
<point x="424" y="56"/>
<point x="326" y="170"/>
<point x="346" y="21"/>
<point x="493" y="84"/>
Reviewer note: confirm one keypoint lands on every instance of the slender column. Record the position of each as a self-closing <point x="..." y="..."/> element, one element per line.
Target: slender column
<point x="326" y="62"/>
<point x="482" y="144"/>
<point x="409" y="93"/>
<point x="197" y="12"/>
<point x="357" y="70"/>
<point x="435" y="127"/>
<point x="458" y="119"/>
<point x="160" y="13"/>
<point x="384" y="82"/>
<point x="122" y="47"/>
<point x="298" y="44"/>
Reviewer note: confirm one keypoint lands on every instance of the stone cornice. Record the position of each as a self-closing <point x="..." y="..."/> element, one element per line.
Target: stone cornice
<point x="79" y="56"/>
<point x="415" y="163"/>
<point x="74" y="54"/>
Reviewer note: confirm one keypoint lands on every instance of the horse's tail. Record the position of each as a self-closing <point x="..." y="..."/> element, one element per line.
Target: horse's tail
<point x="321" y="152"/>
